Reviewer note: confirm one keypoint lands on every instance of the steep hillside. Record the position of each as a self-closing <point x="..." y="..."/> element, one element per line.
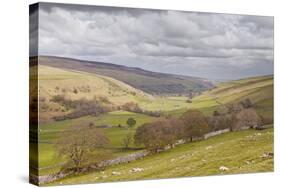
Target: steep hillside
<point x="147" y="81"/>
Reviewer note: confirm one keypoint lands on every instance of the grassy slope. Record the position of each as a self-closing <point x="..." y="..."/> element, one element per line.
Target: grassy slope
<point x="50" y="78"/>
<point x="55" y="81"/>
<point x="241" y="154"/>
<point x="258" y="89"/>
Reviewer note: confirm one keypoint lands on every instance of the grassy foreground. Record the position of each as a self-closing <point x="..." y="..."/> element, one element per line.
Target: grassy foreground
<point x="240" y="152"/>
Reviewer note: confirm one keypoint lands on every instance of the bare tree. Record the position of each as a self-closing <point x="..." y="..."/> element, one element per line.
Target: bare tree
<point x="77" y="145"/>
<point x="195" y="124"/>
<point x="127" y="140"/>
<point x="157" y="135"/>
<point x="246" y="118"/>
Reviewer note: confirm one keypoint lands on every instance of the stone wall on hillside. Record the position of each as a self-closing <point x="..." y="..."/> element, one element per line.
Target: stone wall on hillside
<point x="215" y="133"/>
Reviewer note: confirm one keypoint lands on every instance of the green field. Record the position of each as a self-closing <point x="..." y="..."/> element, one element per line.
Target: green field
<point x="240" y="152"/>
<point x="49" y="132"/>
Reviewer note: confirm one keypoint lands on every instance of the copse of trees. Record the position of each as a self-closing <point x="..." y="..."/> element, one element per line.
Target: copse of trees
<point x="134" y="107"/>
<point x="193" y="125"/>
<point x="82" y="107"/>
<point x="155" y="136"/>
<point x="235" y="116"/>
<point x="77" y="145"/>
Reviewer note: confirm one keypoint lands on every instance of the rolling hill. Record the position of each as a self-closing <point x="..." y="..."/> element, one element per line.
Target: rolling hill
<point x="147" y="81"/>
<point x="258" y="89"/>
<point x="77" y="85"/>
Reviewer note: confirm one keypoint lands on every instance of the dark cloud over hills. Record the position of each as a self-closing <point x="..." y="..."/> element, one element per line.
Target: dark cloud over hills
<point x="215" y="46"/>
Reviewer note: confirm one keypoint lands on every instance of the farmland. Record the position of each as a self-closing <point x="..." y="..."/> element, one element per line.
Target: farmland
<point x="77" y="85"/>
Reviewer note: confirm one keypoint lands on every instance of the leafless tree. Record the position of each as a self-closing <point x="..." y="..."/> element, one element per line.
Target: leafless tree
<point x="246" y="118"/>
<point x="195" y="124"/>
<point x="77" y="145"/>
<point x="127" y="140"/>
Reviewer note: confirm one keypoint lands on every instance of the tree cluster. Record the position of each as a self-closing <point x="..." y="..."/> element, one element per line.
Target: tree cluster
<point x="193" y="125"/>
<point x="134" y="107"/>
<point x="82" y="107"/>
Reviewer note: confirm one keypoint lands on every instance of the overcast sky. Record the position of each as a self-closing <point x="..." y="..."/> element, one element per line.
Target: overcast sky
<point x="214" y="46"/>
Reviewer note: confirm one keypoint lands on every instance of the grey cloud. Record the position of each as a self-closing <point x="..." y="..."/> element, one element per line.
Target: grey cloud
<point x="217" y="46"/>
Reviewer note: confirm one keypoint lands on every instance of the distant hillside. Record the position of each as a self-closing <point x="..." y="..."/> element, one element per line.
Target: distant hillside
<point x="147" y="81"/>
<point x="76" y="85"/>
<point x="258" y="89"/>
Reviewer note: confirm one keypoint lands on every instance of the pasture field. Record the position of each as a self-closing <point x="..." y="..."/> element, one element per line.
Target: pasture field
<point x="49" y="132"/>
<point x="239" y="152"/>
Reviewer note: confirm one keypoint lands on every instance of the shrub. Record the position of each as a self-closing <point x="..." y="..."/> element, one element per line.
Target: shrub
<point x="189" y="101"/>
<point x="58" y="98"/>
<point x="131" y="122"/>
<point x="75" y="91"/>
<point x="247" y="103"/>
<point x="216" y="113"/>
<point x="132" y="107"/>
